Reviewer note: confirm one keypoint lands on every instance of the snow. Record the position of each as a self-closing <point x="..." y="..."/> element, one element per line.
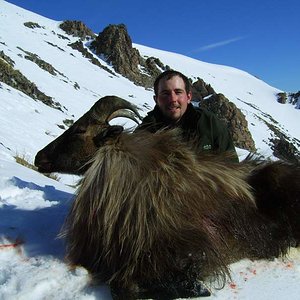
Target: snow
<point x="33" y="206"/>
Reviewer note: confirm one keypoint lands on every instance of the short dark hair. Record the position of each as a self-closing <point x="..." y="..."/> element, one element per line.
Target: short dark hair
<point x="168" y="75"/>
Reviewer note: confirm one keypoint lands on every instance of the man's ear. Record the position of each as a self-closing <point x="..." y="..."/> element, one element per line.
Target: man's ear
<point x="189" y="97"/>
<point x="110" y="132"/>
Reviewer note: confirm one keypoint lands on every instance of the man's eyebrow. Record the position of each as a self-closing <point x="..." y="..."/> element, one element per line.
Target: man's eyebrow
<point x="164" y="90"/>
<point x="167" y="90"/>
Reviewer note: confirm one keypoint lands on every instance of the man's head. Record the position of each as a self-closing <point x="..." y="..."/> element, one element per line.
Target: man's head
<point x="172" y="94"/>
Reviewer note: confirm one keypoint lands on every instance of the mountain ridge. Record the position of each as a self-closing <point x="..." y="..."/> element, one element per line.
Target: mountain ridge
<point x="81" y="77"/>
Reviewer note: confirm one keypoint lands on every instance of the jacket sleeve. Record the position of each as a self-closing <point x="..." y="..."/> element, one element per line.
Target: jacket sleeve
<point x="224" y="140"/>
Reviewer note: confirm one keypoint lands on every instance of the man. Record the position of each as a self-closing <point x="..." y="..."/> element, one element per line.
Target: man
<point x="174" y="109"/>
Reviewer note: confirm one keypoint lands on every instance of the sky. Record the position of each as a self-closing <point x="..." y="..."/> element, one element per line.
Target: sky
<point x="261" y="37"/>
<point x="33" y="207"/>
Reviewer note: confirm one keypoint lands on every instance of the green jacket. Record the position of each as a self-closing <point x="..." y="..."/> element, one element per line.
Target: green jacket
<point x="197" y="123"/>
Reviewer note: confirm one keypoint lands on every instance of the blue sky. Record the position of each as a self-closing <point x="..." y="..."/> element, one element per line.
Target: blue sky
<point x="261" y="37"/>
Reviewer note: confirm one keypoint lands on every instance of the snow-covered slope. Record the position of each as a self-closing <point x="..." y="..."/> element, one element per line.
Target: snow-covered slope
<point x="256" y="98"/>
<point x="32" y="206"/>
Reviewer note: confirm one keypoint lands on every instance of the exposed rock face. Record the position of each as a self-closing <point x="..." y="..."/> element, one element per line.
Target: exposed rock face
<point x="78" y="45"/>
<point x="41" y="63"/>
<point x="15" y="79"/>
<point x="233" y="117"/>
<point x="226" y="111"/>
<point x="285" y="150"/>
<point x="201" y="89"/>
<point x="294" y="99"/>
<point x="76" y="28"/>
<point x="115" y="45"/>
<point x="282" y="98"/>
<point x="32" y="25"/>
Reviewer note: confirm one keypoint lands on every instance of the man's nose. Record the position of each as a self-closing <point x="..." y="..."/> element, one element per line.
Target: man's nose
<point x="173" y="96"/>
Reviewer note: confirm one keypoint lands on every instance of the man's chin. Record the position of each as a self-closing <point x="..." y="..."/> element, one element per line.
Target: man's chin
<point x="173" y="117"/>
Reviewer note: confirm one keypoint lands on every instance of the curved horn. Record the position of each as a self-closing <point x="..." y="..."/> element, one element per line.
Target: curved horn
<point x="124" y="113"/>
<point x="110" y="107"/>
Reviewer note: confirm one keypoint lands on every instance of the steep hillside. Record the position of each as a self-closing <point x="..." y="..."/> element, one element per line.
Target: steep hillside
<point x="56" y="74"/>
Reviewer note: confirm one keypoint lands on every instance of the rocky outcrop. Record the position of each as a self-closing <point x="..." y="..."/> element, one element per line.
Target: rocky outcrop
<point x="115" y="46"/>
<point x="6" y="59"/>
<point x="40" y="62"/>
<point x="233" y="117"/>
<point x="285" y="150"/>
<point x="226" y="111"/>
<point x="282" y="145"/>
<point x="77" y="29"/>
<point x="201" y="89"/>
<point x="17" y="80"/>
<point x="282" y="98"/>
<point x="294" y="99"/>
<point x="291" y="98"/>
<point x="32" y="25"/>
<point x="78" y="45"/>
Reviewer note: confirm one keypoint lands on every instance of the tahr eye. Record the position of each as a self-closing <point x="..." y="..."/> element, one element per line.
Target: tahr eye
<point x="79" y="130"/>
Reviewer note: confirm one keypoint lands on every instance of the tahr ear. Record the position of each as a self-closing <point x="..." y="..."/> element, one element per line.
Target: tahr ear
<point x="110" y="132"/>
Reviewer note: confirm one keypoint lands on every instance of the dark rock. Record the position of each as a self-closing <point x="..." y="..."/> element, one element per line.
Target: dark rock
<point x="282" y="145"/>
<point x="233" y="118"/>
<point x="17" y="80"/>
<point x="41" y="63"/>
<point x="282" y="98"/>
<point x="201" y="89"/>
<point x="115" y="46"/>
<point x="76" y="28"/>
<point x="294" y="99"/>
<point x="7" y="58"/>
<point x="285" y="150"/>
<point x="32" y="25"/>
<point x="78" y="45"/>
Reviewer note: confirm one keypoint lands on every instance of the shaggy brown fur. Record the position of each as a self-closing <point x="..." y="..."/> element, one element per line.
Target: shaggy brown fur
<point x="277" y="192"/>
<point x="151" y="212"/>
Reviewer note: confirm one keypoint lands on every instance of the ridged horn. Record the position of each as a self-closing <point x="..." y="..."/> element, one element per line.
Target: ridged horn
<point x="110" y="107"/>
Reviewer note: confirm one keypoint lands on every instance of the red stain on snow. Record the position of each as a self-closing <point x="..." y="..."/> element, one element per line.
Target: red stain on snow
<point x="16" y="244"/>
<point x="233" y="285"/>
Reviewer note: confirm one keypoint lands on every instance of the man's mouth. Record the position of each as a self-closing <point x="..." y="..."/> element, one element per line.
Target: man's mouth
<point x="173" y="107"/>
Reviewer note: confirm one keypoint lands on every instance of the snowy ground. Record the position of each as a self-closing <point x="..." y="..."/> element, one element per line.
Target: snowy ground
<point x="32" y="210"/>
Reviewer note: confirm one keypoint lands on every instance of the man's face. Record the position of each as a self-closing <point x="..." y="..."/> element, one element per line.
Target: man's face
<point x="172" y="98"/>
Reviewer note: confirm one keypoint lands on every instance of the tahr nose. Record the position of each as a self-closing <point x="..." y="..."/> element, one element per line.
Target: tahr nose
<point x="40" y="158"/>
<point x="42" y="162"/>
